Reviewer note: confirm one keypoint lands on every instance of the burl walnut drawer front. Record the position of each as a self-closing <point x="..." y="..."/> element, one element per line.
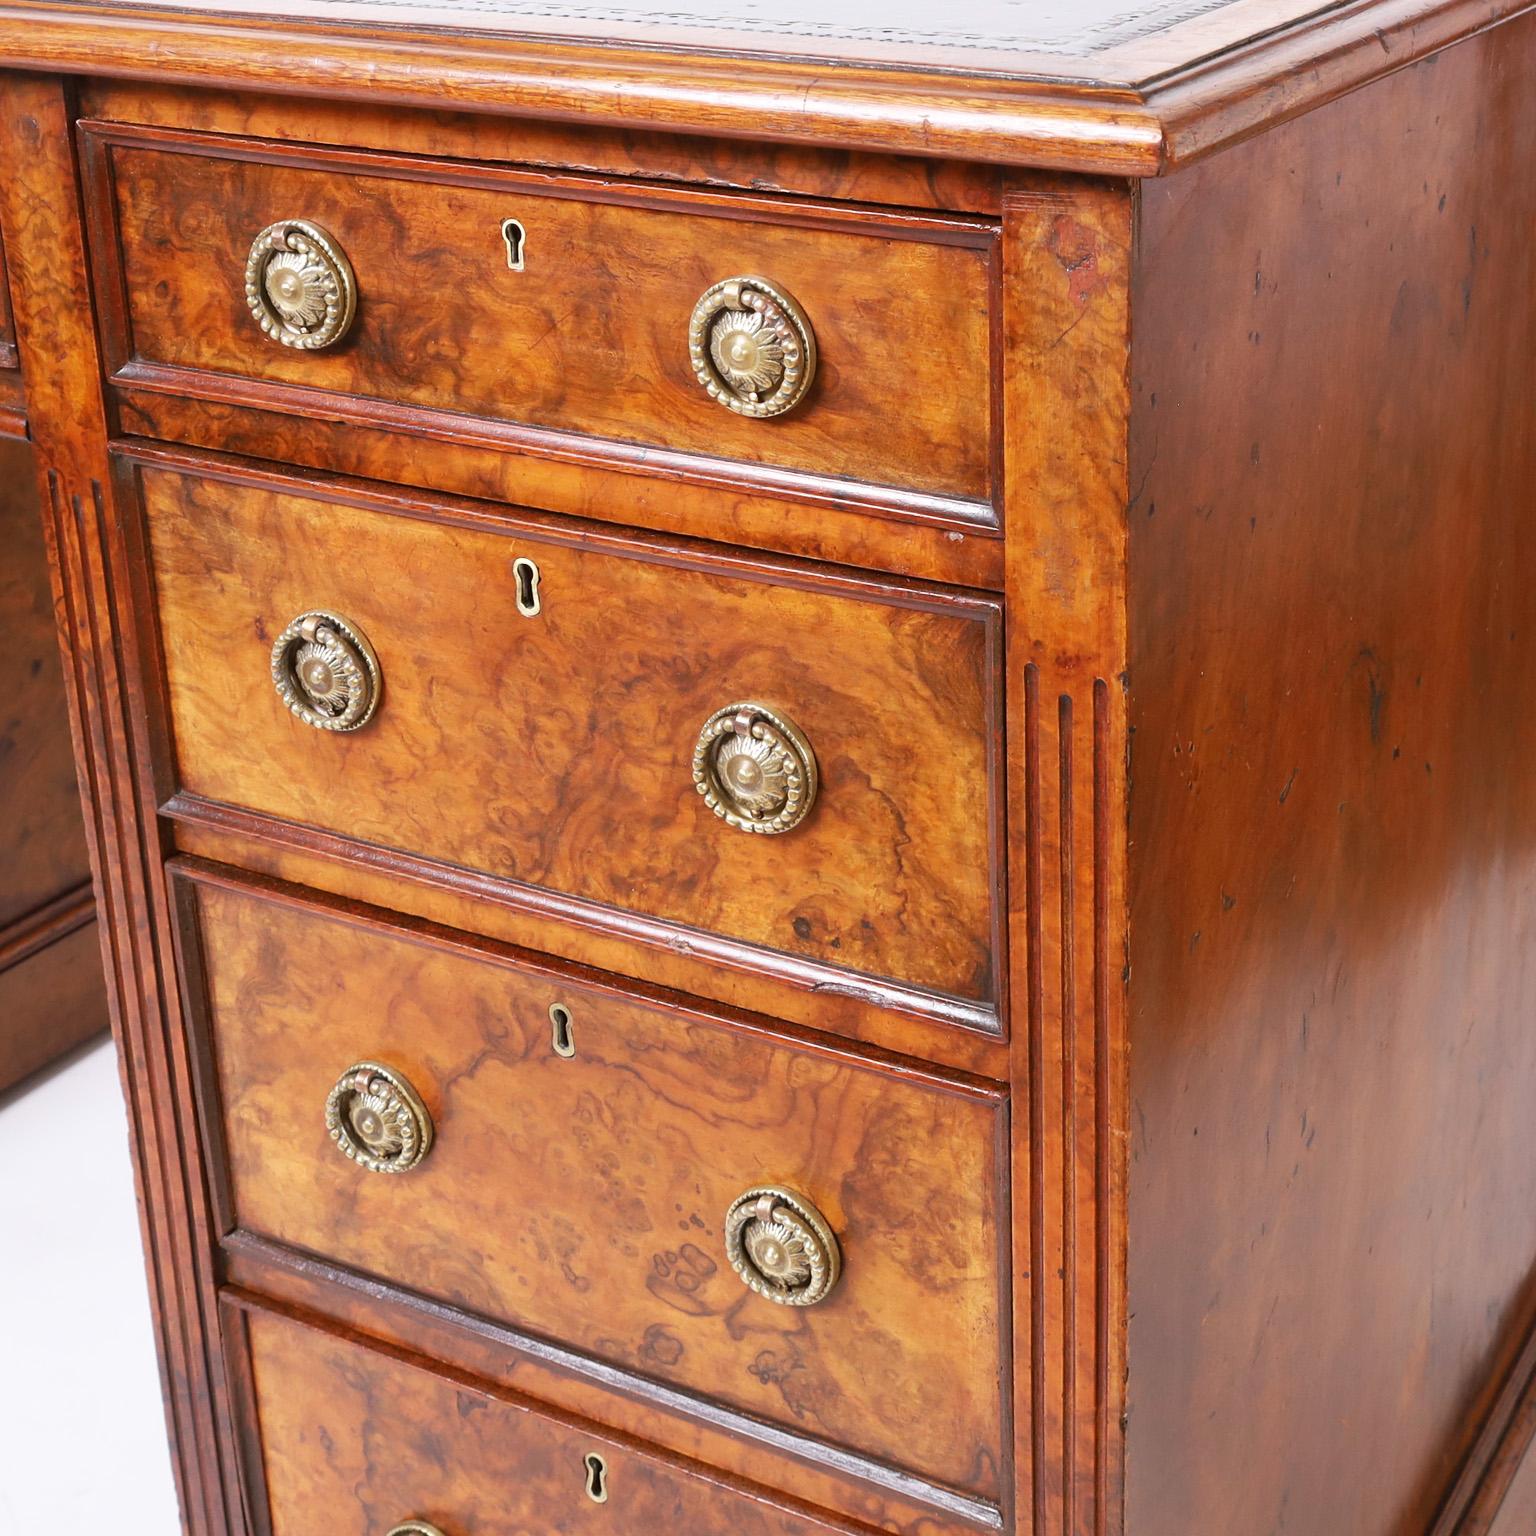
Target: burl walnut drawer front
<point x="359" y="1441"/>
<point x="481" y="1129"/>
<point x="775" y="334"/>
<point x="547" y="706"/>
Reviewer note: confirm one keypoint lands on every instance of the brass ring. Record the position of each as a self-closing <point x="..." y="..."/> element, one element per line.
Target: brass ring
<point x="755" y="768"/>
<point x="752" y="347"/>
<point x="377" y="1118"/>
<point x="299" y="285"/>
<point x="781" y="1247"/>
<point x="326" y="672"/>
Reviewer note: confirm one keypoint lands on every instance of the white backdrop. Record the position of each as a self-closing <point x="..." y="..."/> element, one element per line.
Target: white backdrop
<point x="82" y="1431"/>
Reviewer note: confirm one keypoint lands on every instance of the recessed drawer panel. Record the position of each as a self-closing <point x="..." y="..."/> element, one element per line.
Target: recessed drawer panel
<point x="546" y="705"/>
<point x="790" y="1230"/>
<point x="832" y="343"/>
<point x="360" y="1441"/>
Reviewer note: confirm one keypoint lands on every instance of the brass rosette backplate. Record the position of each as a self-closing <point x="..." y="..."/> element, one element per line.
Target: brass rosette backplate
<point x="752" y="347"/>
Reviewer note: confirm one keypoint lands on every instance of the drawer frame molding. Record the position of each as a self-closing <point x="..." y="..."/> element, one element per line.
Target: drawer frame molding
<point x="264" y="1263"/>
<point x="1064" y="402"/>
<point x="875" y="994"/>
<point x="808" y="487"/>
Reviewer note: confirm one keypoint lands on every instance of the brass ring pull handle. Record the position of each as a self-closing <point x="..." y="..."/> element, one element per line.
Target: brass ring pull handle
<point x="325" y="671"/>
<point x="752" y="347"/>
<point x="299" y="285"/>
<point x="415" y="1528"/>
<point x="755" y="769"/>
<point x="782" y="1247"/>
<point x="378" y="1120"/>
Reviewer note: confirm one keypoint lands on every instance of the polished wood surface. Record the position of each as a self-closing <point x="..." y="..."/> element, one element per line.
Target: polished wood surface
<point x="897" y="181"/>
<point x="555" y="752"/>
<point x="584" y="1197"/>
<point x="1172" y="93"/>
<point x="42" y="841"/>
<point x="52" y="996"/>
<point x="104" y="671"/>
<point x="1333" y="1199"/>
<point x="1163" y="655"/>
<point x="413" y="1441"/>
<point x="591" y="336"/>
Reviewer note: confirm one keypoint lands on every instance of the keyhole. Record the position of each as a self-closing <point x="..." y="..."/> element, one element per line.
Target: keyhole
<point x="564" y="1039"/>
<point x="526" y="574"/>
<point x="597" y="1477"/>
<point x="517" y="241"/>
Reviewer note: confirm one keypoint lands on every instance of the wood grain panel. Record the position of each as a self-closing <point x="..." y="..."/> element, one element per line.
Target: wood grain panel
<point x="42" y="836"/>
<point x="52" y="993"/>
<point x="591" y="337"/>
<point x="898" y="181"/>
<point x="353" y="1434"/>
<point x="1333" y="1198"/>
<point x="829" y="525"/>
<point x="51" y="1001"/>
<point x="832" y="1478"/>
<point x="556" y="752"/>
<point x="584" y="1197"/>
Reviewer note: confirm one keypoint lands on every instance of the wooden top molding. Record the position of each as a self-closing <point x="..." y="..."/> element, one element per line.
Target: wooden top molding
<point x="1100" y="86"/>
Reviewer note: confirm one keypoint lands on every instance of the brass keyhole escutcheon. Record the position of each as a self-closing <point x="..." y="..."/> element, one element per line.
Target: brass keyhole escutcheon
<point x="752" y="347"/>
<point x="516" y="238"/>
<point x="527" y="576"/>
<point x="562" y="1031"/>
<point x="755" y="768"/>
<point x="597" y="1477"/>
<point x="325" y="671"/>
<point x="377" y="1118"/>
<point x="781" y="1247"/>
<point x="299" y="285"/>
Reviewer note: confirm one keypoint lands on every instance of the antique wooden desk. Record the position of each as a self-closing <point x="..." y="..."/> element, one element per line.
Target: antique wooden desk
<point x="807" y="745"/>
<point x="52" y="996"/>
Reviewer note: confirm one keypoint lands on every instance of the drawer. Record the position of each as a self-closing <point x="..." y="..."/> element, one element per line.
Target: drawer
<point x="558" y="751"/>
<point x="564" y="315"/>
<point x="359" y="1441"/>
<point x="580" y="1148"/>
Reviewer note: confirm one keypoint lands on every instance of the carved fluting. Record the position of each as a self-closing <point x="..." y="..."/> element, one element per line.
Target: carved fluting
<point x="1066" y="277"/>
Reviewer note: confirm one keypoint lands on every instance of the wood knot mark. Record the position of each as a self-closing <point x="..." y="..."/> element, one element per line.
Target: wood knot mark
<point x="1076" y="247"/>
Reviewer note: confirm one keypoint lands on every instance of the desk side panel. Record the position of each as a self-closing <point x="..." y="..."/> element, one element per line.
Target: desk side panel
<point x="1333" y="815"/>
